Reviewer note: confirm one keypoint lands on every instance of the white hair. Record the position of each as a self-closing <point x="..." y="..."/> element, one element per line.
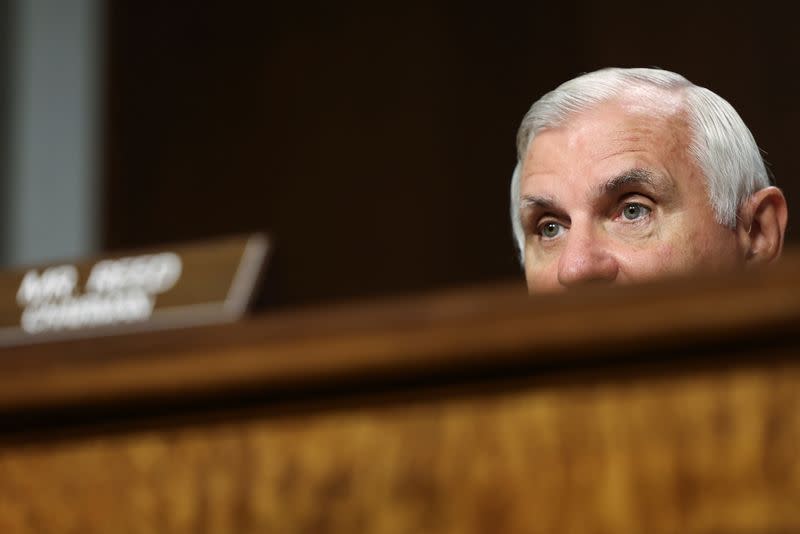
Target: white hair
<point x="721" y="144"/>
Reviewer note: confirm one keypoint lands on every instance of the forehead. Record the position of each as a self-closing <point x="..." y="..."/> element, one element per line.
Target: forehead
<point x="625" y="132"/>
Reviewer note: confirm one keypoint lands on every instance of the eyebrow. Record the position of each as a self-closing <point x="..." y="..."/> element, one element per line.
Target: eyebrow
<point x="664" y="185"/>
<point x="612" y="186"/>
<point x="635" y="176"/>
<point x="535" y="201"/>
<point x="533" y="204"/>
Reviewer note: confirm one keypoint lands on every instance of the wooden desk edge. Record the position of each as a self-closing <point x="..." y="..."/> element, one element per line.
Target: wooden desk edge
<point x="482" y="330"/>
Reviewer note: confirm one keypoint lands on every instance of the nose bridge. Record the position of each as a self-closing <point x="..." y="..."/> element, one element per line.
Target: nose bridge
<point x="586" y="257"/>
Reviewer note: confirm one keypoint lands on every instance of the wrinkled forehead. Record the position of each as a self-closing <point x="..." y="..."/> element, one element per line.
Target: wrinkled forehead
<point x="643" y="120"/>
<point x="647" y="99"/>
<point x="637" y="99"/>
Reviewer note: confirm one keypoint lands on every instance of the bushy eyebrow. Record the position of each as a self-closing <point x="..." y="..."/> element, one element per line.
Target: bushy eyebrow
<point x="533" y="204"/>
<point x="528" y="202"/>
<point x="610" y="187"/>
<point x="634" y="177"/>
<point x="659" y="183"/>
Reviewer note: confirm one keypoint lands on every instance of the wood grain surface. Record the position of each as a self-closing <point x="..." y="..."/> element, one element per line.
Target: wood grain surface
<point x="672" y="407"/>
<point x="489" y="330"/>
<point x="714" y="451"/>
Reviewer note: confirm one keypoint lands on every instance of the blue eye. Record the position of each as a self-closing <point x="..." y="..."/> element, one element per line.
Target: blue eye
<point x="634" y="211"/>
<point x="550" y="230"/>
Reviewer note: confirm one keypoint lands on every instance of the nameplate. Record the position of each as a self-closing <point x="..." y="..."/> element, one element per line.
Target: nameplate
<point x="168" y="287"/>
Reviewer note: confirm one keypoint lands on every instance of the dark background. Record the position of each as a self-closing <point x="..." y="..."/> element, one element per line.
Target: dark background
<point x="375" y="142"/>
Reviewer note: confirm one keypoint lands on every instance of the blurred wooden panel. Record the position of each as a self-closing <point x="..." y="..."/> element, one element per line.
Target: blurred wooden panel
<point x="673" y="406"/>
<point x="702" y="453"/>
<point x="495" y="331"/>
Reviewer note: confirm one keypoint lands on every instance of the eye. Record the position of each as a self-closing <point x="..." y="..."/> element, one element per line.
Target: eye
<point x="634" y="211"/>
<point x="550" y="230"/>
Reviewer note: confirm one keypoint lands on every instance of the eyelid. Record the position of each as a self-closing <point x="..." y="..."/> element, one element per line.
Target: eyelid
<point x="620" y="216"/>
<point x="549" y="217"/>
<point x="532" y="221"/>
<point x="626" y="198"/>
<point x="545" y="220"/>
<point x="635" y="198"/>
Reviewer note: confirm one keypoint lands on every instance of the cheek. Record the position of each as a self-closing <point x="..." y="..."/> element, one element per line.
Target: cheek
<point x="651" y="262"/>
<point x="680" y="257"/>
<point x="715" y="249"/>
<point x="541" y="275"/>
<point x="676" y="257"/>
<point x="666" y="252"/>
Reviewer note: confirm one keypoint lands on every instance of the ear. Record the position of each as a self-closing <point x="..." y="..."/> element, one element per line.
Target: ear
<point x="761" y="226"/>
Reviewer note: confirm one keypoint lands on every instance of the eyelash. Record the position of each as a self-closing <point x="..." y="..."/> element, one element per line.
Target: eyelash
<point x="648" y="211"/>
<point x="540" y="229"/>
<point x="621" y="214"/>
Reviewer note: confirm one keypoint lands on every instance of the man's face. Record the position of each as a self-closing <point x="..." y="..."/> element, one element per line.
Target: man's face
<point x="614" y="195"/>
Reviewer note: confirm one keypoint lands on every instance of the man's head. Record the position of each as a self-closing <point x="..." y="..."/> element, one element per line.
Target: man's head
<point x="629" y="174"/>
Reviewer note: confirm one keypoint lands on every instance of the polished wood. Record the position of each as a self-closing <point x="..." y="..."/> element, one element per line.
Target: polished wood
<point x="484" y="330"/>
<point x="661" y="408"/>
<point x="706" y="452"/>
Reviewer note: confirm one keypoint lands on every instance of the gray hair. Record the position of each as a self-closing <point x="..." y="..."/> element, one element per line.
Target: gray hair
<point x="721" y="144"/>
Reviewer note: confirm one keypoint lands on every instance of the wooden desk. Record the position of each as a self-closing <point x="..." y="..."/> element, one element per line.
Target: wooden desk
<point x="673" y="407"/>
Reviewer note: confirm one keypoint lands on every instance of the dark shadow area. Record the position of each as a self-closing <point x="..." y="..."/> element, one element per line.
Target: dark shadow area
<point x="376" y="143"/>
